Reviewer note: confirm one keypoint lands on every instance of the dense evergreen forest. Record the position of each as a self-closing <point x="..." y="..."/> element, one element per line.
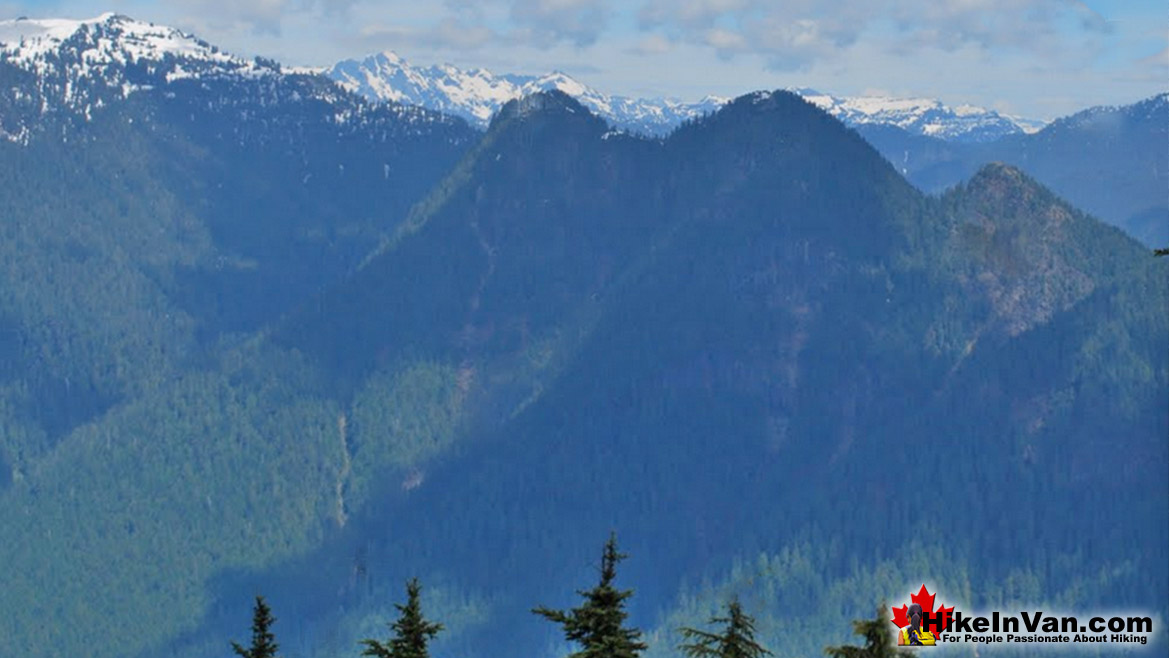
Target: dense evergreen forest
<point x="316" y="360"/>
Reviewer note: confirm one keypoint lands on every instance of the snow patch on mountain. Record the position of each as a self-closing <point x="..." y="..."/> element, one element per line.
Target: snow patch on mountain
<point x="81" y="48"/>
<point x="64" y="71"/>
<point x="478" y="94"/>
<point x="921" y="116"/>
<point x="81" y="65"/>
<point x="77" y="67"/>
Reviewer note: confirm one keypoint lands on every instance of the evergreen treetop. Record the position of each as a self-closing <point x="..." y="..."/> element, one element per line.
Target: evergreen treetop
<point x="597" y="625"/>
<point x="737" y="639"/>
<point x="263" y="641"/>
<point x="412" y="631"/>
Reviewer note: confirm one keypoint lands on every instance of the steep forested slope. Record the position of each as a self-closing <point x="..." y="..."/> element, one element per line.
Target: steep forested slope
<point x="146" y="238"/>
<point x="782" y="345"/>
<point x="752" y="348"/>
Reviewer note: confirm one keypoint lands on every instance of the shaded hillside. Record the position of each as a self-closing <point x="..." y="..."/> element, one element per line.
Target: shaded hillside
<point x="753" y="338"/>
<point x="195" y="210"/>
<point x="144" y="239"/>
<point x="797" y="336"/>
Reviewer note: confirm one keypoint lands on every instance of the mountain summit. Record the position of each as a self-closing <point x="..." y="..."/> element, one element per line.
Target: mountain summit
<point x="477" y="94"/>
<point x="72" y="68"/>
<point x="109" y="38"/>
<point x="66" y="72"/>
<point x="922" y="116"/>
<point x="114" y="49"/>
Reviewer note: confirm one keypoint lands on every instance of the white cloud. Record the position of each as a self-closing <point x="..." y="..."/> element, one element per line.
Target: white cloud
<point x="580" y="22"/>
<point x="796" y="33"/>
<point x="447" y="34"/>
<point x="261" y="16"/>
<point x="651" y="44"/>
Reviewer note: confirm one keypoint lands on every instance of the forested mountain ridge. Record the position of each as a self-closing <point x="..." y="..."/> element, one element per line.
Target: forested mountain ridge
<point x="153" y="224"/>
<point x="795" y="316"/>
<point x="730" y="345"/>
<point x="198" y="193"/>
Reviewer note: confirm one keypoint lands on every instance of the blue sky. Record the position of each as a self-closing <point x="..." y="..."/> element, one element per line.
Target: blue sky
<point x="1032" y="58"/>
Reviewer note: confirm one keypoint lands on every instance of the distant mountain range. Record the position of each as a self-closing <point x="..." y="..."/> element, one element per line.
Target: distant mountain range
<point x="922" y="116"/>
<point x="261" y="334"/>
<point x="477" y="94"/>
<point x="1110" y="161"/>
<point x="68" y="70"/>
<point x="1106" y="160"/>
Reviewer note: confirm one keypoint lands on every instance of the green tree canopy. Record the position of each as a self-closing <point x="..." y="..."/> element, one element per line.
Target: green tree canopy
<point x="412" y="631"/>
<point x="737" y="639"/>
<point x="263" y="641"/>
<point x="597" y="625"/>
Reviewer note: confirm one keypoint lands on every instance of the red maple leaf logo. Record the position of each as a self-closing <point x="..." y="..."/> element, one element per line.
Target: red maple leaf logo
<point x="926" y="601"/>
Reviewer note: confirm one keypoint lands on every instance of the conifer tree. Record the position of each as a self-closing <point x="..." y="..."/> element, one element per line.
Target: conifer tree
<point x="878" y="643"/>
<point x="737" y="639"/>
<point x="412" y="631"/>
<point x="598" y="624"/>
<point x="263" y="641"/>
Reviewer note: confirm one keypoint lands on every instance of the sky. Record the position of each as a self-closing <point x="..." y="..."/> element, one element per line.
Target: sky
<point x="1038" y="59"/>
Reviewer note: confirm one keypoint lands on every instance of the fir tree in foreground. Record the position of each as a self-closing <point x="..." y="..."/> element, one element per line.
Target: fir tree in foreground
<point x="597" y="625"/>
<point x="737" y="639"/>
<point x="263" y="642"/>
<point x="412" y="631"/>
<point x="878" y="643"/>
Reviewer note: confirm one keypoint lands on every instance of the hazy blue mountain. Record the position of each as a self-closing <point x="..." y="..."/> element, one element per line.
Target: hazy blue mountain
<point x="751" y="339"/>
<point x="263" y="336"/>
<point x="285" y="180"/>
<point x="1110" y="161"/>
<point x="151" y="220"/>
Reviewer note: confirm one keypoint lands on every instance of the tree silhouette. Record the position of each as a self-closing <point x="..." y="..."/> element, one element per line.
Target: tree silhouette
<point x="737" y="639"/>
<point x="878" y="644"/>
<point x="263" y="641"/>
<point x="412" y="631"/>
<point x="597" y="625"/>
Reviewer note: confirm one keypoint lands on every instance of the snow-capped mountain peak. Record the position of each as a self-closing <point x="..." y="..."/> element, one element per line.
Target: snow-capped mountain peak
<point x="75" y="67"/>
<point x="474" y="94"/>
<point x="109" y="39"/>
<point x="63" y="72"/>
<point x="919" y="116"/>
<point x="477" y="94"/>
<point x="81" y="64"/>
